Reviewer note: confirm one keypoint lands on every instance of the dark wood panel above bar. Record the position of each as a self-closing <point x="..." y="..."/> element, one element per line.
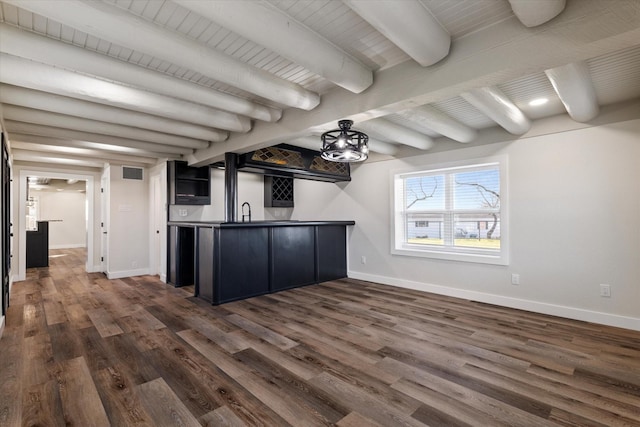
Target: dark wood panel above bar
<point x="296" y="162"/>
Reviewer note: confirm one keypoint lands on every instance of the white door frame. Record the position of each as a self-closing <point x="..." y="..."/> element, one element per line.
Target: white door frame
<point x="157" y="224"/>
<point x="105" y="203"/>
<point x="22" y="217"/>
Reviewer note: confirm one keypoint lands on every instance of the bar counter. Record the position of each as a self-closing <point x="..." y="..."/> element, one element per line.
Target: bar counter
<point x="237" y="260"/>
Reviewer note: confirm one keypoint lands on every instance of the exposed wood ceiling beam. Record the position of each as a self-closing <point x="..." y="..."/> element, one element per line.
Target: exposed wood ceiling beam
<point x="27" y="115"/>
<point x="43" y="49"/>
<point x="29" y="98"/>
<point x="35" y="75"/>
<point x="396" y="133"/>
<point x="48" y="158"/>
<point x="572" y="83"/>
<point x="441" y="123"/>
<point x="534" y="13"/>
<point x="499" y="108"/>
<point x="62" y="151"/>
<point x="88" y="147"/>
<point x="274" y="30"/>
<point x="125" y="29"/>
<point x="97" y="141"/>
<point x="409" y="25"/>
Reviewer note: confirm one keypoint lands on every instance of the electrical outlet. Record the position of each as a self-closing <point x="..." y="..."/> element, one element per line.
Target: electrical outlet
<point x="182" y="212"/>
<point x="363" y="259"/>
<point x="605" y="290"/>
<point x="515" y="279"/>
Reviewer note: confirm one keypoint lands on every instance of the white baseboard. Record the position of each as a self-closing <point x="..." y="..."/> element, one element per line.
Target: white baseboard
<point x="127" y="273"/>
<point x="2" y="325"/>
<point x="535" y="306"/>
<point x="94" y="269"/>
<point x="163" y="277"/>
<point x="68" y="246"/>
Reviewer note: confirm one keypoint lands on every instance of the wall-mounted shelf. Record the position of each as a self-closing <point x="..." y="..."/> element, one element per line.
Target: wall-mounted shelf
<point x="188" y="185"/>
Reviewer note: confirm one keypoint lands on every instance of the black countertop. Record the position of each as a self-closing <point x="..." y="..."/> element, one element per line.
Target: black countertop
<point x="266" y="223"/>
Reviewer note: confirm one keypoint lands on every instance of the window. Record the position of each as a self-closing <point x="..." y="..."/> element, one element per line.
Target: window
<point x="455" y="213"/>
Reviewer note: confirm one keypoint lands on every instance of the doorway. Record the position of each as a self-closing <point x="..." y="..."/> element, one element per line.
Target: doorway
<point x="5" y="230"/>
<point x="63" y="204"/>
<point x="23" y="194"/>
<point x="158" y="222"/>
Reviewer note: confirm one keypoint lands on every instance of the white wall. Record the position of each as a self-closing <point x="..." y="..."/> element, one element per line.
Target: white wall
<point x="129" y="219"/>
<point x="250" y="189"/>
<point x="574" y="210"/>
<point x="67" y="210"/>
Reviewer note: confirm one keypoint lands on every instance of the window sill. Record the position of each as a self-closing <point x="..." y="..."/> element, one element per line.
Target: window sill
<point x="473" y="257"/>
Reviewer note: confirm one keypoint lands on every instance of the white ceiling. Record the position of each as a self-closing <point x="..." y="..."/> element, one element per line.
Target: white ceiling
<point x="135" y="81"/>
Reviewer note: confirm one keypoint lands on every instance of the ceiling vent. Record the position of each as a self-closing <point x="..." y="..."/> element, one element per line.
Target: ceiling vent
<point x="129" y="172"/>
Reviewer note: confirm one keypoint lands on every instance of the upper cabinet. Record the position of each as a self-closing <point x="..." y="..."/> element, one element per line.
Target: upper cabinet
<point x="188" y="185"/>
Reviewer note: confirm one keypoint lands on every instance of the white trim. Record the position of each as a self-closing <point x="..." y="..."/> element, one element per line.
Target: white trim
<point x="68" y="246"/>
<point x="127" y="273"/>
<point x="626" y="322"/>
<point x="95" y="269"/>
<point x="2" y="325"/>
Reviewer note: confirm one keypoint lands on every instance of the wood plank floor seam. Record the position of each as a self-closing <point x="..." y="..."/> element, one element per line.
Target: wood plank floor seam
<point x="80" y="349"/>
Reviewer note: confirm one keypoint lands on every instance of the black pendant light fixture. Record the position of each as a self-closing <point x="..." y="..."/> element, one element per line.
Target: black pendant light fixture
<point x="345" y="144"/>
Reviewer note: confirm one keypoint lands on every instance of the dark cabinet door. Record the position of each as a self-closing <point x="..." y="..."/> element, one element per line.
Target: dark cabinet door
<point x="181" y="256"/>
<point x="243" y="263"/>
<point x="332" y="252"/>
<point x="293" y="257"/>
<point x="206" y="263"/>
<point x="37" y="254"/>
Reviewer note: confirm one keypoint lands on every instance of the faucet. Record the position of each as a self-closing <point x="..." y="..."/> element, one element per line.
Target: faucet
<point x="243" y="214"/>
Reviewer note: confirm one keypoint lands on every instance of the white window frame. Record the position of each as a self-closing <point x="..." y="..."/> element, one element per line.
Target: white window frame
<point x="399" y="244"/>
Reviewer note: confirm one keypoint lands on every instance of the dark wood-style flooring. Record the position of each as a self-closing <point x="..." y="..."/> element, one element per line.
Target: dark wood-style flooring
<point x="82" y="350"/>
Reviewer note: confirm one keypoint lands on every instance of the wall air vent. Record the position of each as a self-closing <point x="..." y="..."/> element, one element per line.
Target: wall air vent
<point x="130" y="172"/>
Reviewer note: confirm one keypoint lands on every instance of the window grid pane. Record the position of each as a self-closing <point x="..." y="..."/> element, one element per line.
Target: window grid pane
<point x="479" y="230"/>
<point x="425" y="229"/>
<point x="424" y="192"/>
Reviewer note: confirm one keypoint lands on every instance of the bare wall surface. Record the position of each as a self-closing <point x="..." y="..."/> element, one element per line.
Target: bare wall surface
<point x="66" y="210"/>
<point x="250" y="189"/>
<point x="129" y="217"/>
